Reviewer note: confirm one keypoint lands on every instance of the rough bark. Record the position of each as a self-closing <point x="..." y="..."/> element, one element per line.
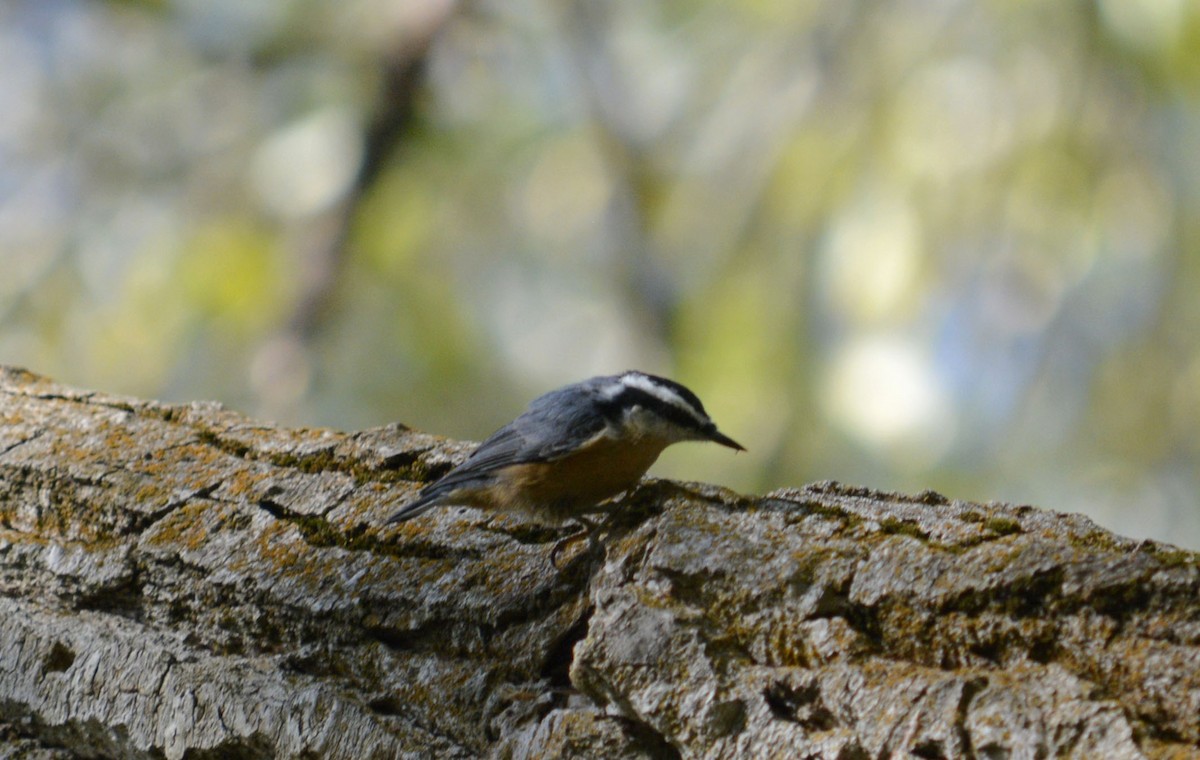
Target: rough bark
<point x="181" y="581"/>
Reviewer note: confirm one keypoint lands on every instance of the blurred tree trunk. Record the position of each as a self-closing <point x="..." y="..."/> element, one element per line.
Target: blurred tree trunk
<point x="183" y="581"/>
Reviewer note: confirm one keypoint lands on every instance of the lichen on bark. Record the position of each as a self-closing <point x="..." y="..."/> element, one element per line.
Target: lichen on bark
<point x="183" y="581"/>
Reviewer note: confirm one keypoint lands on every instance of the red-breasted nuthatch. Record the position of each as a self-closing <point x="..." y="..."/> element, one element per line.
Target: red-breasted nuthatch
<point x="573" y="448"/>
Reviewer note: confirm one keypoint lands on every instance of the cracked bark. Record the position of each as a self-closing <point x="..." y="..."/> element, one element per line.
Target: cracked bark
<point x="181" y="581"/>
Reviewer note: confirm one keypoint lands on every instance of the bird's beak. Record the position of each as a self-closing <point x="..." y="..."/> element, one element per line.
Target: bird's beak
<point x="717" y="436"/>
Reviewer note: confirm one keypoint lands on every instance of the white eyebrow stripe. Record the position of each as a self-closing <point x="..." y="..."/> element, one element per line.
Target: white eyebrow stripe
<point x="662" y="393"/>
<point x="612" y="390"/>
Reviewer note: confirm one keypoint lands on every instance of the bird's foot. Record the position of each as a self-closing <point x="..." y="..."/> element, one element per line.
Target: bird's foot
<point x="590" y="531"/>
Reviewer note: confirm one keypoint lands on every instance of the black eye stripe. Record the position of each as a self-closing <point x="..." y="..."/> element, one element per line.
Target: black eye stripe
<point x="681" y="390"/>
<point x="637" y="397"/>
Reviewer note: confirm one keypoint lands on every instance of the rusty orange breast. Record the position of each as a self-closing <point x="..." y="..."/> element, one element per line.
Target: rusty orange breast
<point x="557" y="490"/>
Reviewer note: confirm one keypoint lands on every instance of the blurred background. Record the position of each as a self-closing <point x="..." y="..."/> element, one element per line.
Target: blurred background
<point x="906" y="244"/>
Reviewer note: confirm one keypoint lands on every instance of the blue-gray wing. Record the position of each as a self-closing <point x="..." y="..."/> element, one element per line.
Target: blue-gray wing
<point x="554" y="425"/>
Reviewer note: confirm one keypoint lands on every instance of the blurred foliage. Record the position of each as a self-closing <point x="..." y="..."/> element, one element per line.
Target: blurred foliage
<point x="916" y="243"/>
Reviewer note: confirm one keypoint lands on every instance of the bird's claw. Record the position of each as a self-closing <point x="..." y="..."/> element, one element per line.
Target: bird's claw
<point x="589" y="532"/>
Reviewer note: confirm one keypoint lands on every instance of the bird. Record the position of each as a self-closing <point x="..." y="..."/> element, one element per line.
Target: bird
<point x="572" y="449"/>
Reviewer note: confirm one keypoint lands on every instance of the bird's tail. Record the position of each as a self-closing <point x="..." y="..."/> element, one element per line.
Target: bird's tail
<point x="423" y="504"/>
